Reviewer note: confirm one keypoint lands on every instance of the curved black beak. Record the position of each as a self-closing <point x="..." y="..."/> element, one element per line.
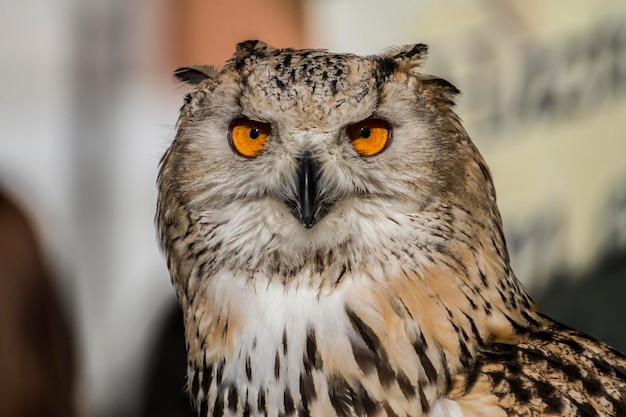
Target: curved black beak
<point x="308" y="203"/>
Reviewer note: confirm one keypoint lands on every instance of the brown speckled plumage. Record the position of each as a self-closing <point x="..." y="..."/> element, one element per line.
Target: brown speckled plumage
<point x="396" y="296"/>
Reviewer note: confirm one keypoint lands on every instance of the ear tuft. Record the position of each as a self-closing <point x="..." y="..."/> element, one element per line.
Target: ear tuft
<point x="441" y="85"/>
<point x="246" y="48"/>
<point x="196" y="74"/>
<point x="409" y="57"/>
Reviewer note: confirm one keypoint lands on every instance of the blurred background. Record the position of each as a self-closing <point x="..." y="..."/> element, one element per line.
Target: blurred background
<point x="88" y="106"/>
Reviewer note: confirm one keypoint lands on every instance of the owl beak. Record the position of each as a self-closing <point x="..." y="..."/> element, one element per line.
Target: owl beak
<point x="307" y="208"/>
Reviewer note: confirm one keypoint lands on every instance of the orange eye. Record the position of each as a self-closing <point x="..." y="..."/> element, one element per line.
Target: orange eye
<point x="248" y="137"/>
<point x="370" y="136"/>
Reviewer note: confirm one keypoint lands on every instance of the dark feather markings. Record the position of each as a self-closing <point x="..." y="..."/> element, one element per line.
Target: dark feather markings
<point x="477" y="336"/>
<point x="472" y="377"/>
<point x="219" y="371"/>
<point x="218" y="407"/>
<point x="342" y="273"/>
<point x="341" y="395"/>
<point x="303" y="411"/>
<point x="195" y="383"/>
<point x="288" y="402"/>
<point x="207" y="377"/>
<point x="312" y="357"/>
<point x="349" y="401"/>
<point x="261" y="404"/>
<point x="419" y="345"/>
<point x="388" y="410"/>
<point x="386" y="375"/>
<point x="248" y="369"/>
<point x="307" y="388"/>
<point x="550" y="396"/>
<point x="516" y="386"/>
<point x="277" y="366"/>
<point x="408" y="390"/>
<point x="203" y="410"/>
<point x="364" y="357"/>
<point x="423" y="401"/>
<point x="365" y="332"/>
<point x="370" y="407"/>
<point x="465" y="355"/>
<point x="233" y="398"/>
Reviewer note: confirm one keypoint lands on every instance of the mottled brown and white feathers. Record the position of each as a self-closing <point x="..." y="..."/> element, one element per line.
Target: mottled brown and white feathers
<point x="319" y="279"/>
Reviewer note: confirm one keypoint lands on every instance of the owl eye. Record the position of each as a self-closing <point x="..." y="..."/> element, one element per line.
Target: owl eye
<point x="248" y="137"/>
<point x="370" y="136"/>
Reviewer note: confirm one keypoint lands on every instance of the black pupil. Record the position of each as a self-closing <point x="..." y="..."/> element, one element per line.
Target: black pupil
<point x="254" y="133"/>
<point x="365" y="132"/>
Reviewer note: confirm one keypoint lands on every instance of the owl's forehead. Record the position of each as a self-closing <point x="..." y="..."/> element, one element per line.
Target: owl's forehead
<point x="310" y="86"/>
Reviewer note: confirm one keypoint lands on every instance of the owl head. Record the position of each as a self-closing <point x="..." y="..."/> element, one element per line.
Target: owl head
<point x="284" y="155"/>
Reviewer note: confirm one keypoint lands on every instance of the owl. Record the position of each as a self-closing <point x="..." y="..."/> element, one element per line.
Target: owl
<point x="334" y="241"/>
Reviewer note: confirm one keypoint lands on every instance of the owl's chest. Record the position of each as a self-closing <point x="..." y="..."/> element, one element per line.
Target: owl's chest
<point x="270" y="330"/>
<point x="274" y="351"/>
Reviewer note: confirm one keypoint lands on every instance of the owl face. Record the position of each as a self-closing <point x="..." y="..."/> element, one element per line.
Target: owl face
<point x="297" y="151"/>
